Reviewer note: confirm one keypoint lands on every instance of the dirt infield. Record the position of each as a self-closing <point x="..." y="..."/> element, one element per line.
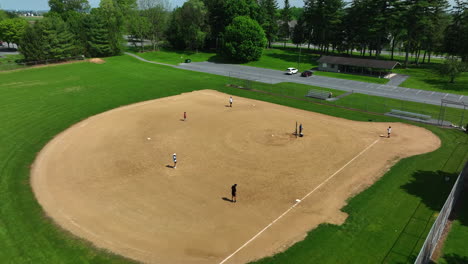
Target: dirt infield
<point x="108" y="179"/>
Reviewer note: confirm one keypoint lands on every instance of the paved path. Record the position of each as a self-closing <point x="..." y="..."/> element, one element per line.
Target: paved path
<point x="397" y="80"/>
<point x="275" y="76"/>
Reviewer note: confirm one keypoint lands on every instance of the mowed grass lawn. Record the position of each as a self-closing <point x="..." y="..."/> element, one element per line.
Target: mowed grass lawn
<point x="37" y="104"/>
<point x="427" y="77"/>
<point x="8" y="62"/>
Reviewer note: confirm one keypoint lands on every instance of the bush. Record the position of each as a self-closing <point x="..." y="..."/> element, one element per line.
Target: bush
<point x="244" y="40"/>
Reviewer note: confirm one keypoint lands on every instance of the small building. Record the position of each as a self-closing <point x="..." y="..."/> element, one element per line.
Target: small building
<point x="356" y="65"/>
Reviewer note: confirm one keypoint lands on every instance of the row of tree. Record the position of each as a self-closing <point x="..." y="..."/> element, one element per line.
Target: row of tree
<point x="421" y="27"/>
<point x="72" y="28"/>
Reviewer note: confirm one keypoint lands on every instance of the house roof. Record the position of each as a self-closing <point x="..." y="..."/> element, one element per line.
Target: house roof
<point x="368" y="63"/>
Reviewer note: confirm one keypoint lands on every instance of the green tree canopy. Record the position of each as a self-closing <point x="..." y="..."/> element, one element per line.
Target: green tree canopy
<point x="452" y="68"/>
<point x="188" y="28"/>
<point x="270" y="19"/>
<point x="48" y="39"/>
<point x="12" y="30"/>
<point x="244" y="40"/>
<point x="63" y="6"/>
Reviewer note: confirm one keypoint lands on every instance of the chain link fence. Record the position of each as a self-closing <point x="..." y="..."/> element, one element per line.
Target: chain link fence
<point x="437" y="229"/>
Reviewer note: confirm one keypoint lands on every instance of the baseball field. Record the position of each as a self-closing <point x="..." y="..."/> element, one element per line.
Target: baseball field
<point x="81" y="181"/>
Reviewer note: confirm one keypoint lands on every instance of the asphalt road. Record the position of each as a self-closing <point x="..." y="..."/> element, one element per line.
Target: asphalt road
<point x="274" y="76"/>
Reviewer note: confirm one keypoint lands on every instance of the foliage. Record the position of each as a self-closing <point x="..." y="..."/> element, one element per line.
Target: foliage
<point x="244" y="40"/>
<point x="269" y="21"/>
<point x="456" y="35"/>
<point x="157" y="13"/>
<point x="286" y="17"/>
<point x="299" y="35"/>
<point x="48" y="39"/>
<point x="453" y="68"/>
<point x="12" y="29"/>
<point x="138" y="28"/>
<point x="323" y="19"/>
<point x="188" y="27"/>
<point x="98" y="38"/>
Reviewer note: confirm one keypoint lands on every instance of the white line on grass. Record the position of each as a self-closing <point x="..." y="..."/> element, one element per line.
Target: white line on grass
<point x="290" y="208"/>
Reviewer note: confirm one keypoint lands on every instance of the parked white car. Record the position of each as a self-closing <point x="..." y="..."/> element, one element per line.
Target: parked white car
<point x="292" y="71"/>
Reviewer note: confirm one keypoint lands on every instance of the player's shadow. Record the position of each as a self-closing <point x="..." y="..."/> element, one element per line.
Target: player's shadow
<point x="227" y="106"/>
<point x="227" y="199"/>
<point x="182" y="119"/>
<point x="169" y="166"/>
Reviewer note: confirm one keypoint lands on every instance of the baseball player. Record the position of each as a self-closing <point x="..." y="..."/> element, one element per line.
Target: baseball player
<point x="389" y="131"/>
<point x="174" y="158"/>
<point x="233" y="192"/>
<point x="230" y="101"/>
<point x="300" y="130"/>
<point x="185" y="116"/>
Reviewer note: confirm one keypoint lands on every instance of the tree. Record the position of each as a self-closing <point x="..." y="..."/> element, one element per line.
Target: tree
<point x="244" y="40"/>
<point x="188" y="28"/>
<point x="62" y="7"/>
<point x="138" y="28"/>
<point x="98" y="42"/>
<point x="453" y="67"/>
<point x="299" y="33"/>
<point x="285" y="19"/>
<point x="323" y="19"/>
<point x="113" y="14"/>
<point x="48" y="39"/>
<point x="456" y="34"/>
<point x="156" y="11"/>
<point x="12" y="30"/>
<point x="270" y="21"/>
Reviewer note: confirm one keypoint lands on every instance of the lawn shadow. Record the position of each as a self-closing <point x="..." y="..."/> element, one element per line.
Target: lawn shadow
<point x="227" y="199"/>
<point x="432" y="187"/>
<point x="220" y="59"/>
<point x="445" y="85"/>
<point x="455" y="259"/>
<point x="460" y="212"/>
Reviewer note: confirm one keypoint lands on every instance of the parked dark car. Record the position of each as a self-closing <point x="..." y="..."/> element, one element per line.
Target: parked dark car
<point x="307" y="73"/>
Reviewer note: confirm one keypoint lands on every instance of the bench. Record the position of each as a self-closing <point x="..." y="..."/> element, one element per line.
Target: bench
<point x="410" y="114"/>
<point x="318" y="94"/>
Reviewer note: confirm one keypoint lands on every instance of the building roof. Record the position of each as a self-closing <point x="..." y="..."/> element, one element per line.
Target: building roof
<point x="368" y="63"/>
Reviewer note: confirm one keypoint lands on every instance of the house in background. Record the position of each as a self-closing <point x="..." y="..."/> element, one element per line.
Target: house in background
<point x="377" y="68"/>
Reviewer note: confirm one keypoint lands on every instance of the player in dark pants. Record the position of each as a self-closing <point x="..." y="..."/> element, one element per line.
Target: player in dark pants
<point x="233" y="192"/>
<point x="300" y="130"/>
<point x="185" y="116"/>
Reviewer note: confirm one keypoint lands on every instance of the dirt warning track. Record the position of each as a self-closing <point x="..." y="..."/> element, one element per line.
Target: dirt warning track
<point x="108" y="179"/>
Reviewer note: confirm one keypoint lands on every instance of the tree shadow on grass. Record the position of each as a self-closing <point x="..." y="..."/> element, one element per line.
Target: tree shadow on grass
<point x="461" y="208"/>
<point x="444" y="84"/>
<point x="293" y="57"/>
<point x="455" y="259"/>
<point x="432" y="187"/>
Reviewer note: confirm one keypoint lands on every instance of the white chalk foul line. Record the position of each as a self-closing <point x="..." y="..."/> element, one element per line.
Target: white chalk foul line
<point x="287" y="211"/>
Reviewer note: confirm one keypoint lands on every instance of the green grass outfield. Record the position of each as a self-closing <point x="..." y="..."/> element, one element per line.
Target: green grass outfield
<point x="37" y="104"/>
